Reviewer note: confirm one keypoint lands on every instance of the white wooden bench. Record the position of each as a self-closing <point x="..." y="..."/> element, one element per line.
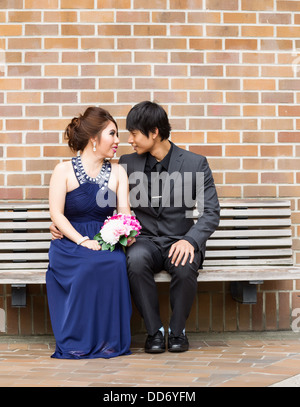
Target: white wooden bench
<point x="253" y="243"/>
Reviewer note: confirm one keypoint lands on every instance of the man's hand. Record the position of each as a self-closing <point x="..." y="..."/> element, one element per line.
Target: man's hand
<point x="130" y="241"/>
<point x="56" y="234"/>
<point x="181" y="251"/>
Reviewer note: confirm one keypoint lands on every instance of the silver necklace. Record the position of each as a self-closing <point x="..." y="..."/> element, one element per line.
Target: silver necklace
<point x="101" y="179"/>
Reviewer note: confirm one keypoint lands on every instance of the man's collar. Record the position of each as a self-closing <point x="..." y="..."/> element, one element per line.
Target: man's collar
<point x="164" y="162"/>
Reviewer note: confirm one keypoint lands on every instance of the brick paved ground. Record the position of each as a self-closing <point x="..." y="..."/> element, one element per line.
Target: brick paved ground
<point x="214" y="360"/>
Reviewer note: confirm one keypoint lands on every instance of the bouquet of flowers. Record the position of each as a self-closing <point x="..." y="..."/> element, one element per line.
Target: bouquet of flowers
<point x="117" y="229"/>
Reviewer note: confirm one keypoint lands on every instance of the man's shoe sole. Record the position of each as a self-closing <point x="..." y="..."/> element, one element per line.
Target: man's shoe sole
<point x="178" y="350"/>
<point x="155" y="350"/>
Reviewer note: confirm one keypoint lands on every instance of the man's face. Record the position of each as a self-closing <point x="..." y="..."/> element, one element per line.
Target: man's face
<point x="141" y="143"/>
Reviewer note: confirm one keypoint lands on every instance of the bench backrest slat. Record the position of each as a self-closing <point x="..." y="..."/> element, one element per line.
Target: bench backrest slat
<point x="25" y="225"/>
<point x="258" y="213"/>
<point x="24" y="215"/>
<point x="13" y="237"/>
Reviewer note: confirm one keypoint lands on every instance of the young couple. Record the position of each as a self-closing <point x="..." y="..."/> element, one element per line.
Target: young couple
<point x="88" y="289"/>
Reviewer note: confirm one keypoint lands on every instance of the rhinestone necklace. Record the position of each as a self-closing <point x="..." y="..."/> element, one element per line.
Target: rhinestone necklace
<point x="101" y="179"/>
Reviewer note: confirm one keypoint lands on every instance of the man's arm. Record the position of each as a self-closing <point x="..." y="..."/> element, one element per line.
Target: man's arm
<point x="208" y="218"/>
<point x="208" y="207"/>
<point x="56" y="234"/>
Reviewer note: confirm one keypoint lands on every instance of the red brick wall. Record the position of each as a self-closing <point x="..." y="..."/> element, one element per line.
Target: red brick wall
<point x="226" y="71"/>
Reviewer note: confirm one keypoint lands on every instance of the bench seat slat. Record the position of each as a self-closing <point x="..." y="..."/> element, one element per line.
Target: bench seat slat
<point x="216" y="274"/>
<point x="286" y="261"/>
<point x="241" y="274"/>
<point x="23" y="276"/>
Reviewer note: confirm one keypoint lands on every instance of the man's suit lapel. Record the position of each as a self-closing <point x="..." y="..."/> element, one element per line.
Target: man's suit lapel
<point x="175" y="165"/>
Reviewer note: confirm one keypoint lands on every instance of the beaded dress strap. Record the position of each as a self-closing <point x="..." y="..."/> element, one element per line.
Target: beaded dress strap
<point x="102" y="178"/>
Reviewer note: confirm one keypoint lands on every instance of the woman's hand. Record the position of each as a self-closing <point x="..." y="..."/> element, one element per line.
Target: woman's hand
<point x="91" y="244"/>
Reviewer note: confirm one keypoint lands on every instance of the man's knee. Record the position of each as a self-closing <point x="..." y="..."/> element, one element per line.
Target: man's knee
<point x="138" y="254"/>
<point x="184" y="273"/>
<point x="189" y="270"/>
<point x="143" y="258"/>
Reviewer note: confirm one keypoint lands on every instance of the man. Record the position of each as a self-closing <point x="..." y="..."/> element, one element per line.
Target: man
<point x="165" y="182"/>
<point x="170" y="240"/>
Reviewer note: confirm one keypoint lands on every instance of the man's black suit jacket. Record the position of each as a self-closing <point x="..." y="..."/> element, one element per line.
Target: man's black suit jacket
<point x="173" y="218"/>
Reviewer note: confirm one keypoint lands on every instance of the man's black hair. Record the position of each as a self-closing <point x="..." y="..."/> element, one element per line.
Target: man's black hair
<point x="148" y="116"/>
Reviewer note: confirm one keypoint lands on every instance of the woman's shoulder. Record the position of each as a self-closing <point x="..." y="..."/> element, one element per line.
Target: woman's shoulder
<point x="63" y="168"/>
<point x="64" y="165"/>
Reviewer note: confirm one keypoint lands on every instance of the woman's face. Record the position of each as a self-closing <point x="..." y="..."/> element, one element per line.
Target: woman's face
<point x="107" y="143"/>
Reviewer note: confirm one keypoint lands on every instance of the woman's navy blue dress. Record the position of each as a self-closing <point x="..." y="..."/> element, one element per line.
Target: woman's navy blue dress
<point x="88" y="291"/>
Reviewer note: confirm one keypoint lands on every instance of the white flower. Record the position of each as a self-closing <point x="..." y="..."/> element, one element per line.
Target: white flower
<point x="112" y="230"/>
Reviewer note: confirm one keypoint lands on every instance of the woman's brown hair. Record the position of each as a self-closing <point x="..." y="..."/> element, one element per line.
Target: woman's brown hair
<point x="86" y="126"/>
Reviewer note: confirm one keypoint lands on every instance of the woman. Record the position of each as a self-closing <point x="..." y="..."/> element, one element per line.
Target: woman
<point x="88" y="290"/>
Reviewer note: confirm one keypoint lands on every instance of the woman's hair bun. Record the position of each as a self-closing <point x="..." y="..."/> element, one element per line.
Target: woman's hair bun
<point x="72" y="134"/>
<point x="76" y="121"/>
<point x="84" y="127"/>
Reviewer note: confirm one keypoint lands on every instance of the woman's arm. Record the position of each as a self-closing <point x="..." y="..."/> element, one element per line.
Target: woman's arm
<point x="57" y="196"/>
<point x="123" y="205"/>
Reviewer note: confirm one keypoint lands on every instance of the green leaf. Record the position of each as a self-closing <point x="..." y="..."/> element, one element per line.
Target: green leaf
<point x="97" y="237"/>
<point x="133" y="233"/>
<point x="105" y="246"/>
<point x="123" y="240"/>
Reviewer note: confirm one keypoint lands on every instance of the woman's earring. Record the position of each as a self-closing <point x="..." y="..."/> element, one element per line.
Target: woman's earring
<point x="94" y="146"/>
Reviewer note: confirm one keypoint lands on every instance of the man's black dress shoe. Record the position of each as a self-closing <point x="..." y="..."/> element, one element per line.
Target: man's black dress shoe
<point x="155" y="343"/>
<point x="177" y="343"/>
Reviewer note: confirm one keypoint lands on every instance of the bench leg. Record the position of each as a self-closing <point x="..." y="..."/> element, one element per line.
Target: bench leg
<point x="18" y="295"/>
<point x="244" y="292"/>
